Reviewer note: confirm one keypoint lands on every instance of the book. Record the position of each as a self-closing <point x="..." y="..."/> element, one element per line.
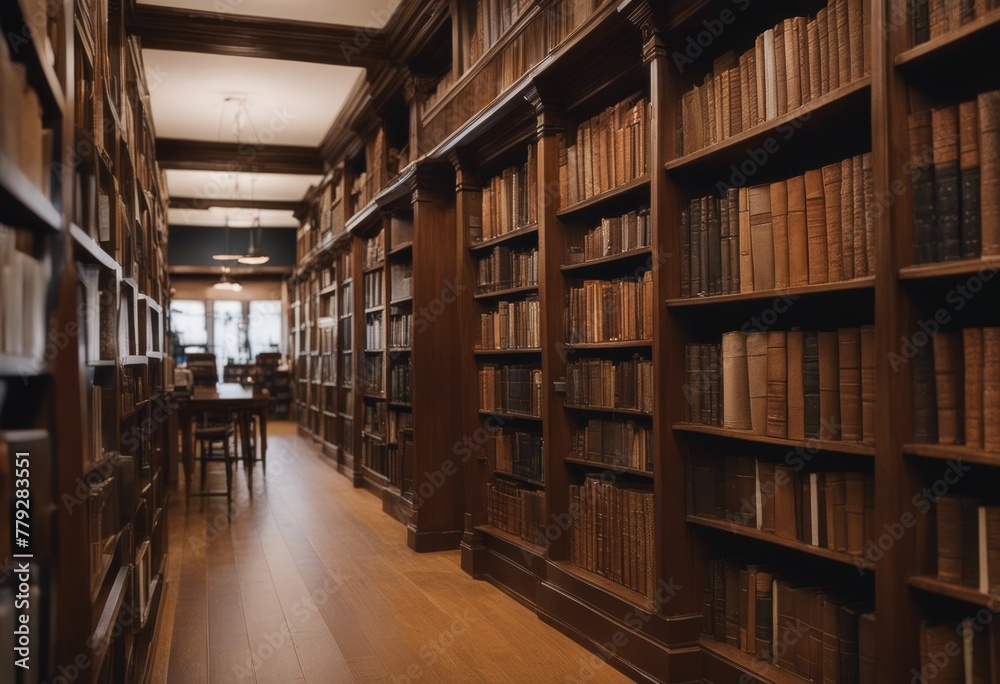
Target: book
<point x="736" y="382"/>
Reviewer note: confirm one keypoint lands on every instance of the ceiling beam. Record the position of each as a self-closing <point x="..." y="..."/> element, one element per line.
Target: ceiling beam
<point x="198" y="155"/>
<point x="217" y="33"/>
<point x="205" y="203"/>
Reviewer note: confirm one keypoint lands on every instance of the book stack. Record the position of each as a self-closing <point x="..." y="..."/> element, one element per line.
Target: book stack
<point x="612" y="533"/>
<point x="830" y="510"/>
<point x="399" y="423"/>
<point x="399" y="382"/>
<point x="400" y="330"/>
<point x="615" y="443"/>
<point x="968" y="542"/>
<point x="128" y="391"/>
<point x="609" y="150"/>
<point x="23" y="284"/>
<point x="796" y="62"/>
<point x="516" y="510"/>
<point x="807" y="230"/>
<point x="374" y="418"/>
<point x="800" y="628"/>
<point x="955" y="175"/>
<point x="618" y="235"/>
<point x="511" y="325"/>
<point x="515" y="389"/>
<point x="510" y="200"/>
<point x="956" y="389"/>
<point x="25" y="142"/>
<point x="493" y="19"/>
<point x="374" y="382"/>
<point x="933" y="18"/>
<point x="516" y="453"/>
<point x="374" y="454"/>
<point x="611" y="311"/>
<point x="400" y="281"/>
<point x="507" y="268"/>
<point x="373" y="253"/>
<point x="606" y="384"/>
<point x="373" y="331"/>
<point x="787" y="384"/>
<point x="373" y="289"/>
<point x="960" y="651"/>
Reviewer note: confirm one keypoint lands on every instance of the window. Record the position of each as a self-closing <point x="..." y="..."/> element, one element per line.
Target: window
<point x="264" y="327"/>
<point x="188" y="322"/>
<point x="230" y="333"/>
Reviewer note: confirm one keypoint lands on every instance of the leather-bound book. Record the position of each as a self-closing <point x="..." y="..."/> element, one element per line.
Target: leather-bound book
<point x="764" y="613"/>
<point x="794" y="82"/>
<point x="924" y="397"/>
<point x="934" y="639"/>
<point x="816" y="227"/>
<point x="694" y="393"/>
<point x="735" y="382"/>
<point x="921" y="22"/>
<point x="868" y="384"/>
<point x="785" y="508"/>
<point x="798" y="242"/>
<point x="947" y="384"/>
<point x="704" y="245"/>
<point x="989" y="548"/>
<point x="949" y="539"/>
<point x="686" y="253"/>
<point x="732" y="199"/>
<point x="765" y="485"/>
<point x="796" y="387"/>
<point x="972" y="352"/>
<point x="694" y="231"/>
<point x="724" y="245"/>
<point x="867" y="649"/>
<point x="991" y="389"/>
<point x="922" y="187"/>
<point x="802" y="60"/>
<point x="810" y="384"/>
<point x="781" y="69"/>
<point x="968" y="163"/>
<point x="714" y="248"/>
<point x="831" y="644"/>
<point x="869" y="185"/>
<point x="757" y="373"/>
<point x="855" y="507"/>
<point x="779" y="227"/>
<point x="770" y="75"/>
<point x="833" y="63"/>
<point x="732" y="601"/>
<point x="814" y="65"/>
<point x="843" y="43"/>
<point x="719" y="582"/>
<point x="787" y="630"/>
<point x="862" y="267"/>
<point x="744" y="602"/>
<point x="947" y="194"/>
<point x="715" y="384"/>
<point x="969" y="531"/>
<point x="850" y="383"/>
<point x="834" y="246"/>
<point x="847" y="219"/>
<point x="823" y="31"/>
<point x="761" y="237"/>
<point x="746" y="245"/>
<point x="989" y="171"/>
<point x="836" y="511"/>
<point x="750" y="609"/>
<point x="777" y="384"/>
<point x="856" y="31"/>
<point x="829" y="386"/>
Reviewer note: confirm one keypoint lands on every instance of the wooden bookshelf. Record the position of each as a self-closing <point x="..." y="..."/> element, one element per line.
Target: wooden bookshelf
<point x="958" y="592"/>
<point x="860" y="284"/>
<point x="747" y="436"/>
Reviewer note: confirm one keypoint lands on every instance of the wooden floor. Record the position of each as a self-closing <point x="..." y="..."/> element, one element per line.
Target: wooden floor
<point x="311" y="582"/>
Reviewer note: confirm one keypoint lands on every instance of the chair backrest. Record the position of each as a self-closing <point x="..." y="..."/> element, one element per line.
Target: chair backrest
<point x="203" y="367"/>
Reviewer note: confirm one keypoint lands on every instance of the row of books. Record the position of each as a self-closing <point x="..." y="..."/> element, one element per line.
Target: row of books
<point x="373" y="331"/>
<point x="612" y="532"/>
<point x="807" y="230"/>
<point x="374" y="417"/>
<point x="400" y="422"/>
<point x="614" y="443"/>
<point x="617" y="235"/>
<point x="516" y="452"/>
<point x="955" y="172"/>
<point x="513" y="389"/>
<point x="968" y="542"/>
<point x="607" y="150"/>
<point x="510" y="200"/>
<point x="400" y="330"/>
<point x="956" y="389"/>
<point x="800" y="628"/>
<point x="602" y="383"/>
<point x="103" y="427"/>
<point x="960" y="651"/>
<point x="516" y="510"/>
<point x="400" y="230"/>
<point x="346" y="299"/>
<point x="374" y="380"/>
<point x="831" y="510"/>
<point x="374" y="252"/>
<point x="798" y="61"/>
<point x="132" y="388"/>
<point x="507" y="268"/>
<point x="934" y="18"/>
<point x="788" y="384"/>
<point x="99" y="314"/>
<point x="25" y="142"/>
<point x="374" y="455"/>
<point x="511" y="325"/>
<point x="400" y="464"/>
<point x="611" y="310"/>
<point x="400" y="388"/>
<point x="493" y="19"/>
<point x="23" y="283"/>
<point x="373" y="289"/>
<point x="400" y="282"/>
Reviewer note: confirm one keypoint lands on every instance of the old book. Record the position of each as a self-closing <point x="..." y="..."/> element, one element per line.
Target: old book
<point x="947" y="194"/>
<point x="791" y="63"/>
<point x="762" y="237"/>
<point x="733" y="202"/>
<point x="764" y="613"/>
<point x="777" y="384"/>
<point x="757" y="373"/>
<point x="746" y="248"/>
<point x="816" y="227"/>
<point x="750" y="643"/>
<point x="779" y="228"/>
<point x="843" y="44"/>
<point x="785" y="506"/>
<point x="847" y="219"/>
<point x="810" y="384"/>
<point x="823" y="29"/>
<point x="921" y="22"/>
<point x="829" y="386"/>
<point x="969" y="545"/>
<point x="949" y="539"/>
<point x="857" y="32"/>
<point x="869" y="193"/>
<point x="947" y="383"/>
<point x="796" y="386"/>
<point x="836" y="511"/>
<point x="781" y="69"/>
<point x="831" y="201"/>
<point x="732" y="566"/>
<point x="991" y="389"/>
<point x="924" y="397"/>
<point x="989" y="172"/>
<point x="831" y="644"/>
<point x="968" y="132"/>
<point x="855" y="509"/>
<point x="714" y="249"/>
<point x="922" y="187"/>
<point x="974" y="369"/>
<point x="744" y="602"/>
<point x="867" y="649"/>
<point x="736" y="382"/>
<point x="934" y="639"/>
<point x="850" y="383"/>
<point x="813" y="60"/>
<point x="989" y="548"/>
<point x="868" y="357"/>
<point x="798" y="242"/>
<point x="765" y="496"/>
<point x="860" y="205"/>
<point x="770" y="76"/>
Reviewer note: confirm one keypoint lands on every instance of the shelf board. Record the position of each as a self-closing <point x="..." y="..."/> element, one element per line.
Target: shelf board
<point x="399" y="350"/>
<point x="41" y="73"/>
<point x="866" y="283"/>
<point x="512" y="416"/>
<point x="984" y="28"/>
<point x="770" y="537"/>
<point x="375" y="309"/>
<point x="606" y="196"/>
<point x="956" y="591"/>
<point x="524" y="544"/>
<point x="329" y="289"/>
<point x="608" y="410"/>
<point x="92" y="249"/>
<point x="401" y="301"/>
<point x="607" y="466"/>
<point x="374" y="351"/>
<point x="953" y="452"/>
<point x="377" y="267"/>
<point x="610" y="259"/>
<point x="134" y="360"/>
<point x="519" y="478"/>
<point x="618" y="344"/>
<point x="25" y="366"/>
<point x="950" y="268"/>
<point x="373" y="435"/>
<point x="22" y="202"/>
<point x="830" y="106"/>
<point x="768" y="672"/>
<point x="824" y="445"/>
<point x="510" y="291"/>
<point x="373" y="397"/>
<point x="505" y="352"/>
<point x="601" y="582"/>
<point x="500" y="239"/>
<point x="401" y="404"/>
<point x="399" y="249"/>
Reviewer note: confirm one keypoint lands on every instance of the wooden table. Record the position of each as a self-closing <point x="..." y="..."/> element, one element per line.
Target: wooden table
<point x="228" y="398"/>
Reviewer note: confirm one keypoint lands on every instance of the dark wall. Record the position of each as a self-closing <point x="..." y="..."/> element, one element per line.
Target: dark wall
<point x="194" y="246"/>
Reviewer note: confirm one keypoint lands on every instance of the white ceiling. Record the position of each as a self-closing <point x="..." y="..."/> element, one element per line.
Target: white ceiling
<point x="287" y="103"/>
<point x="209" y="185"/>
<point x="238" y="218"/>
<point x="349" y="12"/>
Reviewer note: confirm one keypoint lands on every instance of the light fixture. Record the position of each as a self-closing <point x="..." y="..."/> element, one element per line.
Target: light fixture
<point x="225" y="284"/>
<point x="227" y="255"/>
<point x="255" y="255"/>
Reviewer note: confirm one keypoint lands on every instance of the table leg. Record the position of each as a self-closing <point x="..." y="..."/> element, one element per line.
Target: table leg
<point x="263" y="437"/>
<point x="188" y="455"/>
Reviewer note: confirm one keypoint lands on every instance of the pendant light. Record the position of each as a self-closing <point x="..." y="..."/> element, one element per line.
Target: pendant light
<point x="255" y="255"/>
<point x="225" y="284"/>
<point x="226" y="255"/>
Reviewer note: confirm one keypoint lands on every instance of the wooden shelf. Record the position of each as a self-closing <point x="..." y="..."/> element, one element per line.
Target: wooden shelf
<point x="608" y="410"/>
<point x="499" y="240"/>
<point x="375" y="309"/>
<point x="620" y="344"/>
<point x="401" y="301"/>
<point x="42" y="74"/>
<point x="641" y="183"/>
<point x="524" y="544"/>
<point x="597" y="465"/>
<point x="867" y="283"/>
<point x="954" y="591"/>
<point x="945" y="269"/>
<point x="377" y="267"/>
<point x="509" y="292"/>
<point x="746" y="663"/>
<point x="373" y="397"/>
<point x="771" y="538"/>
<point x="373" y="435"/>
<point x="628" y="256"/>
<point x="505" y="352"/>
<point x="604" y="584"/>
<point x="399" y="350"/>
<point x="821" y="111"/>
<point x="823" y="445"/>
<point x="22" y="202"/>
<point x="984" y="29"/>
<point x="952" y="452"/>
<point x="399" y="249"/>
<point x="512" y="416"/>
<point x="93" y="251"/>
<point x="519" y="478"/>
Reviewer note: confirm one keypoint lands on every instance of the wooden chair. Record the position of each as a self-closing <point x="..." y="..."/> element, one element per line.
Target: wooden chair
<point x="215" y="431"/>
